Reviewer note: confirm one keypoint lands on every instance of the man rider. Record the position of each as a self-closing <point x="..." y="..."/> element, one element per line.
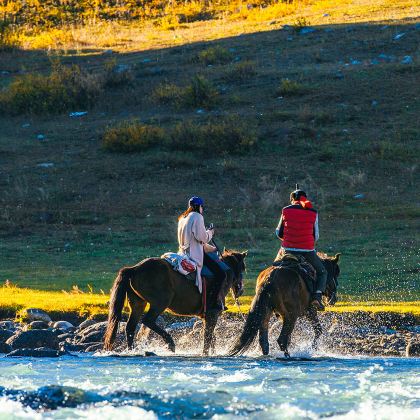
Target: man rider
<point x="298" y="230"/>
<point x="193" y="238"/>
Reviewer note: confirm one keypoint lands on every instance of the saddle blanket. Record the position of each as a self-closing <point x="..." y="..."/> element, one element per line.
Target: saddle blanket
<point x="301" y="266"/>
<point x="181" y="263"/>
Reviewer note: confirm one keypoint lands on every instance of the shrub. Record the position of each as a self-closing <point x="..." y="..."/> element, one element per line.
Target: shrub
<point x="9" y="40"/>
<point x="132" y="136"/>
<point x="167" y="93"/>
<point x="213" y="138"/>
<point x="116" y="75"/>
<point x="290" y="88"/>
<point x="200" y="92"/>
<point x="184" y="140"/>
<point x="300" y="23"/>
<point x="65" y="88"/>
<point x="167" y="22"/>
<point x="215" y="55"/>
<point x="239" y="72"/>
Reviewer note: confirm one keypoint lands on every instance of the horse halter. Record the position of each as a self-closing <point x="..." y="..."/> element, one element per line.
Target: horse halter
<point x="332" y="280"/>
<point x="239" y="275"/>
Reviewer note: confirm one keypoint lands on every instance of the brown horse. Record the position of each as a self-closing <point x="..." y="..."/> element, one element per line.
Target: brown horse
<point x="282" y="291"/>
<point x="154" y="281"/>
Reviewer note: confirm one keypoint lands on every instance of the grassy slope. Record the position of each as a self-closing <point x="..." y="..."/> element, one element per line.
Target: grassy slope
<point x="110" y="210"/>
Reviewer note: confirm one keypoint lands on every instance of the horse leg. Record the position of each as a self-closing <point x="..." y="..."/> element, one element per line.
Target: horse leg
<point x="150" y="321"/>
<point x="316" y="325"/>
<point x="263" y="335"/>
<point x="137" y="306"/>
<point x="289" y="322"/>
<point x="210" y="322"/>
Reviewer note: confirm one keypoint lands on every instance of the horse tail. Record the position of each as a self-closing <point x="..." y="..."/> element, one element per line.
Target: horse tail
<point x="116" y="305"/>
<point x="260" y="308"/>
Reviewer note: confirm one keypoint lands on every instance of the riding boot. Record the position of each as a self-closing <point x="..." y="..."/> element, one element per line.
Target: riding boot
<point x="316" y="301"/>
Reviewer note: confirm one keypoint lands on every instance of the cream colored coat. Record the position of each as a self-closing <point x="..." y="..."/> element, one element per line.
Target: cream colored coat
<point x="192" y="239"/>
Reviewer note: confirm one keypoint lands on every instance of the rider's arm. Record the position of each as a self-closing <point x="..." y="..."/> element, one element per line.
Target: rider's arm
<point x="280" y="228"/>
<point x="316" y="229"/>
<point x="199" y="230"/>
<point x="209" y="248"/>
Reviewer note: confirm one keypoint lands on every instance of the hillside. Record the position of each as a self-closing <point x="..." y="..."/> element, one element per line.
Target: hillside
<point x="326" y="95"/>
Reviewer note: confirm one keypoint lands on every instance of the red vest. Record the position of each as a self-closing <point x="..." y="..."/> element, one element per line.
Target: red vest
<point x="299" y="226"/>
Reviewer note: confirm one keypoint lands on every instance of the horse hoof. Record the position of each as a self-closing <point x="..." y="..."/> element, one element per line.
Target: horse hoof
<point x="172" y="347"/>
<point x="287" y="354"/>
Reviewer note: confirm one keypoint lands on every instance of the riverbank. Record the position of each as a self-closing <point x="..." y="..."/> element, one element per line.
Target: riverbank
<point x="350" y="328"/>
<point x="76" y="304"/>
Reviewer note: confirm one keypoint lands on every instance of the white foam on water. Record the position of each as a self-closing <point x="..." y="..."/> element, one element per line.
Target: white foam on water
<point x="13" y="410"/>
<point x="238" y="376"/>
<point x="369" y="410"/>
<point x="107" y="412"/>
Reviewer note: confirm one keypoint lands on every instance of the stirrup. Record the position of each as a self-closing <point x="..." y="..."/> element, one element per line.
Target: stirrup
<point x="316" y="302"/>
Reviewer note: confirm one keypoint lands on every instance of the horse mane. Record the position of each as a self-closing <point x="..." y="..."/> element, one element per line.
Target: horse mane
<point x="230" y="252"/>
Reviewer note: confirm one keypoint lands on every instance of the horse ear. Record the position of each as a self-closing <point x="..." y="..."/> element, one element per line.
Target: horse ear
<point x="337" y="257"/>
<point x="224" y="249"/>
<point x="245" y="253"/>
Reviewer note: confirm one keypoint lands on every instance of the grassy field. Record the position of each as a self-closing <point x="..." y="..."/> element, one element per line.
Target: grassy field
<point x="332" y="100"/>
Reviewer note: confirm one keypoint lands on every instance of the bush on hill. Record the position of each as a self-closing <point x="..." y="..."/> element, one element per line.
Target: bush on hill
<point x="212" y="138"/>
<point x="290" y="88"/>
<point x="215" y="55"/>
<point x="132" y="136"/>
<point x="217" y="137"/>
<point x="200" y="92"/>
<point x="63" y="89"/>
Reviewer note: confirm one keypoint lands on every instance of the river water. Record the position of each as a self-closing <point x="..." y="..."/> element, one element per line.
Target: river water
<point x="99" y="387"/>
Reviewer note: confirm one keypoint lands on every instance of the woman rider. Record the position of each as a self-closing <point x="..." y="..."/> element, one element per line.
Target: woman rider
<point x="193" y="238"/>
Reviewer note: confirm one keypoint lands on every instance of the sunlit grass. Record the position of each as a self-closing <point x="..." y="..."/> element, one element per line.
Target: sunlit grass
<point x="76" y="302"/>
<point x="369" y="306"/>
<point x="183" y="23"/>
<point x="13" y="299"/>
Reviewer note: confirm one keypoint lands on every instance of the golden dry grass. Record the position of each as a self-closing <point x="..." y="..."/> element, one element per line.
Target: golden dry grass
<point x="146" y="35"/>
<point x="14" y="299"/>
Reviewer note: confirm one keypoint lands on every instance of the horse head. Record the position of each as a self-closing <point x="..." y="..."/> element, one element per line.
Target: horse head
<point x="236" y="261"/>
<point x="333" y="269"/>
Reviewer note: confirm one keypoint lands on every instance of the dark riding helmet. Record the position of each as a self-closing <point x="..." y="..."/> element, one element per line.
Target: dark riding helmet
<point x="297" y="194"/>
<point x="195" y="202"/>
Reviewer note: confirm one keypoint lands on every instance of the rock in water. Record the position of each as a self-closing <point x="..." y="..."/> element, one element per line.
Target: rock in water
<point x="63" y="325"/>
<point x="86" y="323"/>
<point x="35" y="314"/>
<point x="39" y="352"/>
<point x="33" y="339"/>
<point x="92" y="337"/>
<point x="412" y="349"/>
<point x="5" y="335"/>
<point x="5" y="348"/>
<point x="94" y="347"/>
<point x="54" y="396"/>
<point x="36" y="325"/>
<point x="7" y="325"/>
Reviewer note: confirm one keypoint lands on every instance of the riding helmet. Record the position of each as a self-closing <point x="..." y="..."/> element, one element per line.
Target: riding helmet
<point x="195" y="202"/>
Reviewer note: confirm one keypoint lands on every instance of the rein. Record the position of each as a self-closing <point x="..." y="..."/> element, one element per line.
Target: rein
<point x="231" y="291"/>
<point x="238" y="305"/>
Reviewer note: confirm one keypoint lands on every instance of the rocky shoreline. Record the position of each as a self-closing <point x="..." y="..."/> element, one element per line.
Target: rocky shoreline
<point x="356" y="333"/>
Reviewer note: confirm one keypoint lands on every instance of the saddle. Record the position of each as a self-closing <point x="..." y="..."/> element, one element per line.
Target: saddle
<point x="187" y="268"/>
<point x="299" y="264"/>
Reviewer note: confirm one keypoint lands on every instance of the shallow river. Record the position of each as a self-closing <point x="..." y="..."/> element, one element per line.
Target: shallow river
<point x="222" y="388"/>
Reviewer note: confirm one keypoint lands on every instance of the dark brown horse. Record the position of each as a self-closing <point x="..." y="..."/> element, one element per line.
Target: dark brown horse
<point x="282" y="291"/>
<point x="154" y="281"/>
